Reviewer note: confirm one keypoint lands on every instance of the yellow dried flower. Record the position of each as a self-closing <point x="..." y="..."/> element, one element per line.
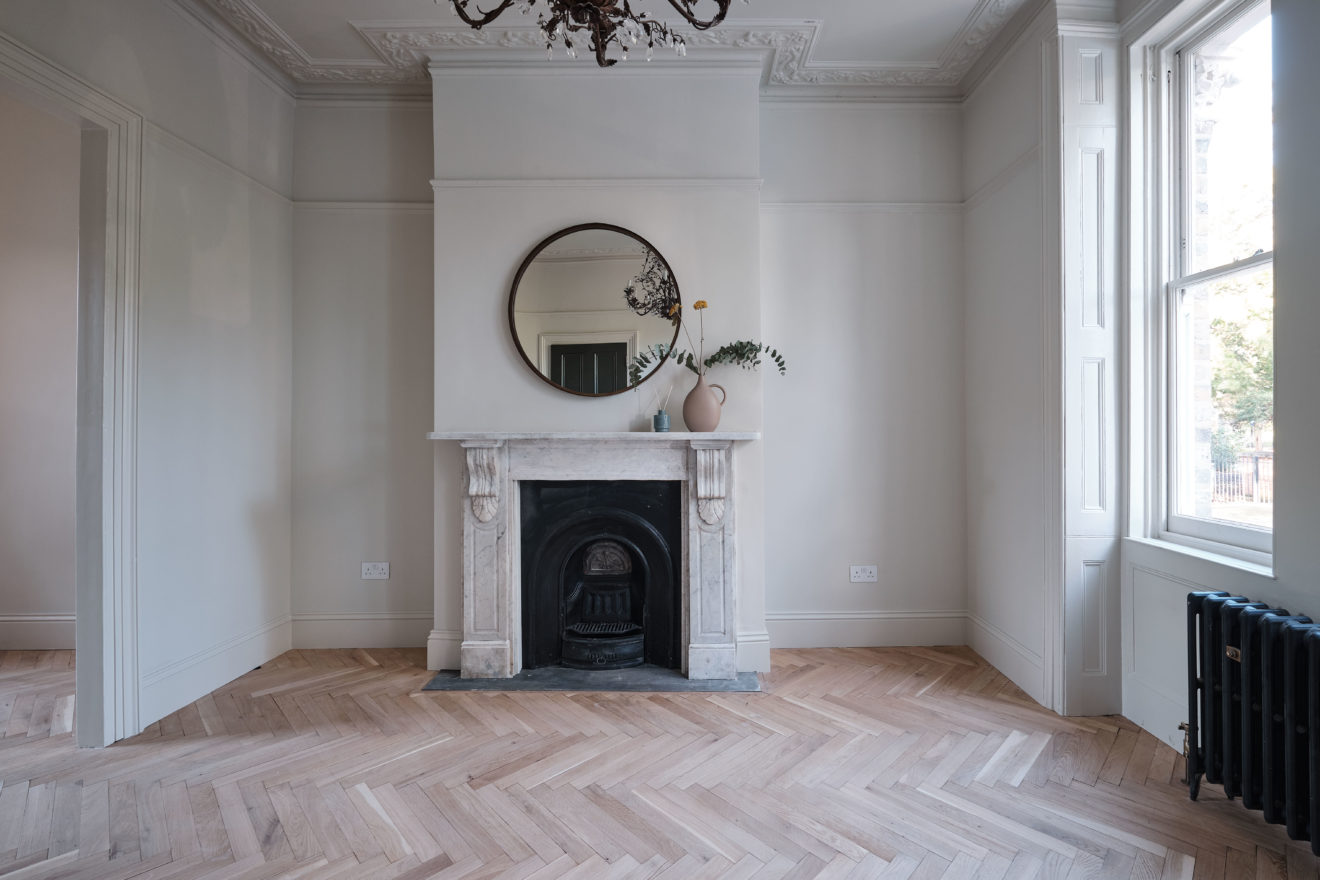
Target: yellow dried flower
<point x="673" y="310"/>
<point x="699" y="304"/>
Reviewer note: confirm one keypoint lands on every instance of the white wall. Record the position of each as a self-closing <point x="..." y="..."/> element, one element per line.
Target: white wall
<point x="213" y="359"/>
<point x="38" y="356"/>
<point x="362" y="407"/>
<point x="363" y="364"/>
<point x="363" y="151"/>
<point x="1009" y="307"/>
<point x="1158" y="577"/>
<point x="861" y="242"/>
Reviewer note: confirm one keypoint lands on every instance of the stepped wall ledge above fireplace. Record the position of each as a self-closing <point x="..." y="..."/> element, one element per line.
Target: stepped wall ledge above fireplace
<point x="492" y="578"/>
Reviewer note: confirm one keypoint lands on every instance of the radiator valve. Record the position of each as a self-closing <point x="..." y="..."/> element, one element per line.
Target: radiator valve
<point x="1187" y="753"/>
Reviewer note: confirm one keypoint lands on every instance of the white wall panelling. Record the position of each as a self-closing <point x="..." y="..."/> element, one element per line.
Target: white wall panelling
<point x="1156" y="579"/>
<point x="1012" y="323"/>
<point x="1056" y="600"/>
<point x="1090" y="107"/>
<point x="215" y="407"/>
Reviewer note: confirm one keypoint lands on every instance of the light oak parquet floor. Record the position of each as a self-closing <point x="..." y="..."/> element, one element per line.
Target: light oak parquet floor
<point x="856" y="763"/>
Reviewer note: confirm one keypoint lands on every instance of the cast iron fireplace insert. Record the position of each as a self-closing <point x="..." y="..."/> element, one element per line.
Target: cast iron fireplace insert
<point x="601" y="573"/>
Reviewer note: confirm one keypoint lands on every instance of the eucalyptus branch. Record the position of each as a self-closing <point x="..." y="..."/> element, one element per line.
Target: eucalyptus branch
<point x="745" y="353"/>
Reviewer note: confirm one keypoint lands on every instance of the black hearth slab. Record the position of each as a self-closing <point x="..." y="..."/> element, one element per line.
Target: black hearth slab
<point x="639" y="679"/>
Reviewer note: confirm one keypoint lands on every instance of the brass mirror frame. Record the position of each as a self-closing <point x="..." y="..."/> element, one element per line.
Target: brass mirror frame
<point x="527" y="262"/>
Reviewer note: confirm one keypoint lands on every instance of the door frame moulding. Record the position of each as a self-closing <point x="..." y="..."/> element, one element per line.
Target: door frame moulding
<point x="106" y="495"/>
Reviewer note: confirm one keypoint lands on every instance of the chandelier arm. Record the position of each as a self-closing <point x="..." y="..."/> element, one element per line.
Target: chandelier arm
<point x="602" y="32"/>
<point x="684" y="8"/>
<point x="550" y="27"/>
<point x="483" y="18"/>
<point x="599" y="42"/>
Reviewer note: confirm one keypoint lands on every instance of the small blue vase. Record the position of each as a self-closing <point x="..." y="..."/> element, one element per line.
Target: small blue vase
<point x="660" y="422"/>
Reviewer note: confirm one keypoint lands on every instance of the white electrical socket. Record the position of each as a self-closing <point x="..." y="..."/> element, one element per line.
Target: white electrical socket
<point x="375" y="571"/>
<point x="864" y="574"/>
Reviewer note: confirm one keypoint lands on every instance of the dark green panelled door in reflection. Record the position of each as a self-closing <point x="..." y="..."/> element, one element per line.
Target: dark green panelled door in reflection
<point x="599" y="368"/>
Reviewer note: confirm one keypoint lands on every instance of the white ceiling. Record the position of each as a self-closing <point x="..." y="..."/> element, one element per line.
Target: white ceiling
<point x="841" y="45"/>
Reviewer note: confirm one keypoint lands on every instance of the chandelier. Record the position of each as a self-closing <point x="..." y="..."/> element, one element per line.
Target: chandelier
<point x="599" y="22"/>
<point x="657" y="294"/>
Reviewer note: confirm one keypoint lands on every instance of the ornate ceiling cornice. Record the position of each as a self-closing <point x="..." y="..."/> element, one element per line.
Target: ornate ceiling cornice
<point x="268" y="37"/>
<point x="404" y="49"/>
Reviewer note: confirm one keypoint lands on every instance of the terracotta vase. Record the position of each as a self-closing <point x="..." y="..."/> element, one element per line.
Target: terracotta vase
<point x="701" y="409"/>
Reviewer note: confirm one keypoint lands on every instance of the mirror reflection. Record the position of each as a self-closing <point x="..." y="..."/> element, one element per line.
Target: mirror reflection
<point x="586" y="301"/>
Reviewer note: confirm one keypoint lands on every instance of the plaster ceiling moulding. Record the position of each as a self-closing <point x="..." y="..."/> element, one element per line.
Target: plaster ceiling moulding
<point x="786" y="47"/>
<point x="245" y="17"/>
<point x="405" y="48"/>
<point x="407" y="44"/>
<point x="982" y="26"/>
<point x="787" y="44"/>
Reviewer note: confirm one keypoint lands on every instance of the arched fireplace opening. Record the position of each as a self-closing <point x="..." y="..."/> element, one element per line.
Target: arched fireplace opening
<point x="601" y="573"/>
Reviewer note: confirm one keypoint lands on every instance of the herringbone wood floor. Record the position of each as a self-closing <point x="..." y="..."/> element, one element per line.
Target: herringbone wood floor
<point x="892" y="763"/>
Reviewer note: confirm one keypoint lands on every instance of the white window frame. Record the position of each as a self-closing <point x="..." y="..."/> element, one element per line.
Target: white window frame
<point x="1167" y="88"/>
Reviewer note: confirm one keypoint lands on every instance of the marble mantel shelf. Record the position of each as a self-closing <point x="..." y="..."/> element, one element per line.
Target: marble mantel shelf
<point x="496" y="461"/>
<point x="639" y="436"/>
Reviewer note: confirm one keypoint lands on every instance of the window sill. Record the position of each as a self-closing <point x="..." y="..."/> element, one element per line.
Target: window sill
<point x="1249" y="561"/>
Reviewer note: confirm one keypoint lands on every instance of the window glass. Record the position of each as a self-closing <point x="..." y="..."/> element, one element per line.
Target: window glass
<point x="1225" y="394"/>
<point x="1231" y="144"/>
<point x="1220" y="426"/>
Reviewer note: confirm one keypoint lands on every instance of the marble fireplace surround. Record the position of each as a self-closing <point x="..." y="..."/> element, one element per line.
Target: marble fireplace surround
<point x="492" y="570"/>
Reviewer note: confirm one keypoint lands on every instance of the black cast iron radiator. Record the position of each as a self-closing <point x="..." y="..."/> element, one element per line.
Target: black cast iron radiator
<point x="1253" y="692"/>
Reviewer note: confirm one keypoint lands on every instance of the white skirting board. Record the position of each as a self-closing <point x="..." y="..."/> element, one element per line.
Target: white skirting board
<point x="36" y="632"/>
<point x="865" y="629"/>
<point x="1157" y="712"/>
<point x="442" y="649"/>
<point x="361" y="629"/>
<point x="754" y="651"/>
<point x="1018" y="663"/>
<point x="162" y="691"/>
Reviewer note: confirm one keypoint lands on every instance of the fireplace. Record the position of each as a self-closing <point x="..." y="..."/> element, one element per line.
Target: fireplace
<point x="601" y="573"/>
<point x="699" y="470"/>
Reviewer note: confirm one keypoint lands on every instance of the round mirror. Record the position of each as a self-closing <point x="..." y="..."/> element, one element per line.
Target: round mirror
<point x="586" y="301"/>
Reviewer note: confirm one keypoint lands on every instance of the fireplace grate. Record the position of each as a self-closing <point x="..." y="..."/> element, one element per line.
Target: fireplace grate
<point x="622" y="628"/>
